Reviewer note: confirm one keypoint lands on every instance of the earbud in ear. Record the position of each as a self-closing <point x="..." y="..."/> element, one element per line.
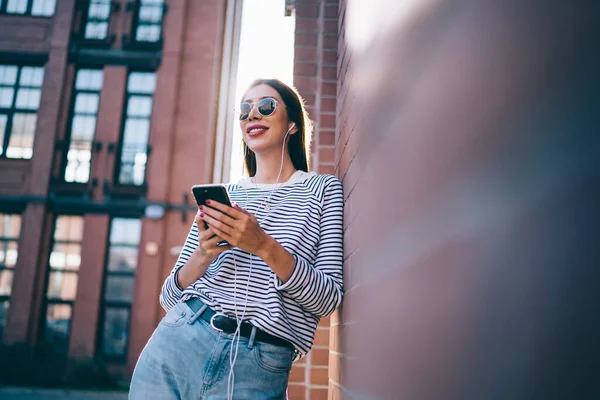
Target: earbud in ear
<point x="291" y="127"/>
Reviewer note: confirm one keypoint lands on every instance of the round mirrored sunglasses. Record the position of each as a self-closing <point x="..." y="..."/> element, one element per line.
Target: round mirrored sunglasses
<point x="265" y="107"/>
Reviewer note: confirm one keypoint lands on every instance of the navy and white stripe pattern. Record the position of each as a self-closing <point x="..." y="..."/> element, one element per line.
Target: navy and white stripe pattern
<point x="306" y="217"/>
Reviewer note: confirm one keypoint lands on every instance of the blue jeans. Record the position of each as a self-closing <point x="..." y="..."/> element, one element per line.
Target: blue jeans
<point x="187" y="359"/>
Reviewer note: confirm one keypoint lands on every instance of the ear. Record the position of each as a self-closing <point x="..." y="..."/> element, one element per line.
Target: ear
<point x="292" y="128"/>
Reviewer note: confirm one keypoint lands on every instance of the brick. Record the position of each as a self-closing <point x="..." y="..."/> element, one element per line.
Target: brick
<point x="329" y="73"/>
<point x="318" y="394"/>
<point x="298" y="374"/>
<point x="296" y="392"/>
<point x="328" y="104"/>
<point x="329" y="42"/>
<point x="304" y="24"/>
<point x="306" y="54"/>
<point x="327" y="154"/>
<point x="327" y="138"/>
<point x="330" y="56"/>
<point x="326" y="169"/>
<point x="331" y="11"/>
<point x="327" y="121"/>
<point x="307" y="39"/>
<point x="308" y="10"/>
<point x="321" y="337"/>
<point x="305" y="68"/>
<point x="306" y="83"/>
<point x="330" y="26"/>
<point x="309" y="98"/>
<point x="319" y="376"/>
<point x="319" y="356"/>
<point x="329" y="89"/>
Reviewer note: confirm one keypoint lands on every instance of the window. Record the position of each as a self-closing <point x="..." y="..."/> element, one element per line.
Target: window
<point x="37" y="8"/>
<point x="65" y="259"/>
<point x="20" y="93"/>
<point x="98" y="19"/>
<point x="88" y="83"/>
<point x="149" y="21"/>
<point x="10" y="226"/>
<point x="123" y="247"/>
<point x="136" y="128"/>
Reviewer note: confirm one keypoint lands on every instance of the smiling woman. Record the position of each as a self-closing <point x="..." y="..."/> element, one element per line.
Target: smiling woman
<point x="256" y="301"/>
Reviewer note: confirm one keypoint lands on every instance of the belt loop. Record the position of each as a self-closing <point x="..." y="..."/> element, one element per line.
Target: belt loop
<point x="252" y="336"/>
<point x="197" y="314"/>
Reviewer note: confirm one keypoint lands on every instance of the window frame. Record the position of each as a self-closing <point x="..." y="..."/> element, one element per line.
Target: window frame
<point x="110" y="38"/>
<point x="116" y="304"/>
<point x="48" y="301"/>
<point x="10" y="112"/>
<point x="65" y="144"/>
<point x="5" y="298"/>
<point x="121" y="142"/>
<point x="28" y="10"/>
<point x="135" y="6"/>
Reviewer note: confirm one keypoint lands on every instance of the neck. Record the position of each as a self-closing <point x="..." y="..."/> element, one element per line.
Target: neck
<point x="268" y="166"/>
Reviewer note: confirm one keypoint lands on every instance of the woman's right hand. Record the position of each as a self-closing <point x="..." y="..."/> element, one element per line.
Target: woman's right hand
<point x="206" y="252"/>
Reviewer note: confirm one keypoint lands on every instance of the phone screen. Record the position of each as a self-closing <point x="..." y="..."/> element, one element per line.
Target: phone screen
<point x="211" y="192"/>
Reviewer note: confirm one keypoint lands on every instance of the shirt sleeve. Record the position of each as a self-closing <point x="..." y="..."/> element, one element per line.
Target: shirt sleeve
<point x="171" y="291"/>
<point x="318" y="287"/>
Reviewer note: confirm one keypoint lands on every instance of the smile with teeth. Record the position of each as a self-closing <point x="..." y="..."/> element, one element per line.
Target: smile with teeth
<point x="254" y="130"/>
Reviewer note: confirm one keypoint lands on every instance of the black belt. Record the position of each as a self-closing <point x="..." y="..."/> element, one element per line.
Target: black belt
<point x="228" y="325"/>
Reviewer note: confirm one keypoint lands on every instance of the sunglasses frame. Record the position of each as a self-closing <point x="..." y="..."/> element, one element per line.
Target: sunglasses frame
<point x="247" y="115"/>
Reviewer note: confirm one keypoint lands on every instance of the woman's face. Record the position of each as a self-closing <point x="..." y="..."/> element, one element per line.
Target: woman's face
<point x="263" y="133"/>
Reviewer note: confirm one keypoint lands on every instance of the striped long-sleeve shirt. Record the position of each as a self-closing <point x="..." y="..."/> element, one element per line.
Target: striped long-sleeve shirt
<point x="305" y="215"/>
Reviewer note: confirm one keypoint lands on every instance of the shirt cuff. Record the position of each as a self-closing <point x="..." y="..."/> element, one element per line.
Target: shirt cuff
<point x="176" y="287"/>
<point x="298" y="279"/>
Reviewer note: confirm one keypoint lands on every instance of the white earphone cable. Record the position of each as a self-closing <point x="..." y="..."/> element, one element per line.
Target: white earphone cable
<point x="235" y="341"/>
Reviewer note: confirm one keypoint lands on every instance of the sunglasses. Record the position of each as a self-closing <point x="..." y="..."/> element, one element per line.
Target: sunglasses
<point x="265" y="107"/>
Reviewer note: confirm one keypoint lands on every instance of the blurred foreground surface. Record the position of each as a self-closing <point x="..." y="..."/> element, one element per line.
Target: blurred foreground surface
<point x="13" y="393"/>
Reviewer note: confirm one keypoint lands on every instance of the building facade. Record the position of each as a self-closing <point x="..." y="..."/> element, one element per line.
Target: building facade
<point x="107" y="119"/>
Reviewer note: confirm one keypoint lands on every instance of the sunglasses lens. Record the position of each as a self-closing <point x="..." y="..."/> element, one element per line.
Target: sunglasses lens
<point x="266" y="107"/>
<point x="245" y="111"/>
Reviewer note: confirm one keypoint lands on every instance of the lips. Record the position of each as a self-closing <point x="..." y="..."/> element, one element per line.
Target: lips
<point x="256" y="129"/>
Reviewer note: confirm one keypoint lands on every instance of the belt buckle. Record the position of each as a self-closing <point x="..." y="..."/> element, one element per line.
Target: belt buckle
<point x="212" y="321"/>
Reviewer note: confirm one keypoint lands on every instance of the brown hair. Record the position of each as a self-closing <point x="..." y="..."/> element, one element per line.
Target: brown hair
<point x="299" y="142"/>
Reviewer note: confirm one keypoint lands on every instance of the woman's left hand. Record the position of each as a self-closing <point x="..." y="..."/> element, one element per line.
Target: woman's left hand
<point x="236" y="225"/>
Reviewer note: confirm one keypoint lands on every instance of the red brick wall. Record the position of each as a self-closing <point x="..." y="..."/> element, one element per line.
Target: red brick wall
<point x="315" y="78"/>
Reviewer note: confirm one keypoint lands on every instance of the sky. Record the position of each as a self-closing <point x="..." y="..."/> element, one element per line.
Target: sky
<point x="266" y="51"/>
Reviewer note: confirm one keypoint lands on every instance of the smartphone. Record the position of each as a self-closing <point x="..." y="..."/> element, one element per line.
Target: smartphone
<point x="211" y="192"/>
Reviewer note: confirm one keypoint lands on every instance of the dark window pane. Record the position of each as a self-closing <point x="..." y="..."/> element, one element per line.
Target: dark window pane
<point x="115" y="332"/>
<point x="69" y="228"/>
<point x="6" y="279"/>
<point x="58" y="321"/>
<point x="119" y="288"/>
<point x="20" y="144"/>
<point x="62" y="285"/>
<point x="122" y="258"/>
<point x="16" y="6"/>
<point x="43" y="8"/>
<point x="8" y="75"/>
<point x="4" y="305"/>
<point x="3" y="119"/>
<point x="125" y="231"/>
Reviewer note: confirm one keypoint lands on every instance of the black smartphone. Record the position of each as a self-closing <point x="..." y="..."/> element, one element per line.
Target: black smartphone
<point x="211" y="192"/>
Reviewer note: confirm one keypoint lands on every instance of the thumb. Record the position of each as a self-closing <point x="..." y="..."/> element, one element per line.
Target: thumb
<point x="200" y="222"/>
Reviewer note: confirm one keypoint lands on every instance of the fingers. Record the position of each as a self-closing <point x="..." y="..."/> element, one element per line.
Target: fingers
<point x="232" y="212"/>
<point x="217" y="219"/>
<point x="200" y="222"/>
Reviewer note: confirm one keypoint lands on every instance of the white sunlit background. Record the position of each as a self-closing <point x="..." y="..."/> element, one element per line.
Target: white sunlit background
<point x="266" y="51"/>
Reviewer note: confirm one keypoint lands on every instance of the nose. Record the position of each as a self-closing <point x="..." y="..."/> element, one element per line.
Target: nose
<point x="254" y="114"/>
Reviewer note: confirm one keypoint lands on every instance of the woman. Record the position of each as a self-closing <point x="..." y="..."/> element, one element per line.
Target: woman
<point x="238" y="315"/>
